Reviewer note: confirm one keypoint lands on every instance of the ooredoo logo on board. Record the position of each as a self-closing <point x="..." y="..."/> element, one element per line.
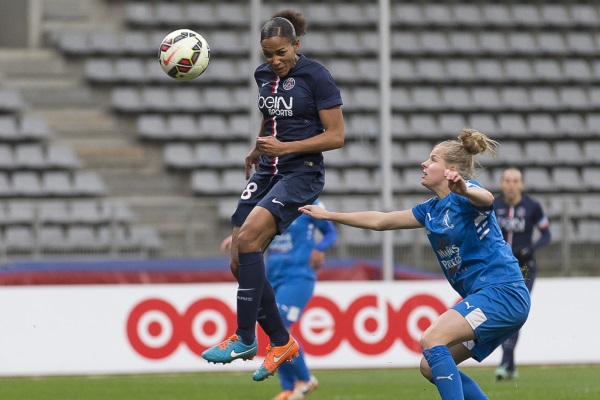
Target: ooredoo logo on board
<point x="370" y="324"/>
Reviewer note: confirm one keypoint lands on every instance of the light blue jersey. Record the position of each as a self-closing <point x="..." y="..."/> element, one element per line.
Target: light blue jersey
<point x="468" y="243"/>
<point x="289" y="253"/>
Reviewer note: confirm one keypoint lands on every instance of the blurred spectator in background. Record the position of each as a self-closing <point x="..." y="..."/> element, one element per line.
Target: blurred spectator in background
<point x="518" y="215"/>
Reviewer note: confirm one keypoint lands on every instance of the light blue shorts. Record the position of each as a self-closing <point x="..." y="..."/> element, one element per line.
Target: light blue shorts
<point x="292" y="297"/>
<point x="494" y="313"/>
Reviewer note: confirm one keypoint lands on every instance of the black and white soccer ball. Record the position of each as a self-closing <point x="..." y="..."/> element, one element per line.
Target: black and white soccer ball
<point x="184" y="54"/>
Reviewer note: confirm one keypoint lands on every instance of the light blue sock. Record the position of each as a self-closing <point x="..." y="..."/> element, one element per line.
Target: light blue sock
<point x="287" y="377"/>
<point x="300" y="368"/>
<point x="445" y="374"/>
<point x="471" y="390"/>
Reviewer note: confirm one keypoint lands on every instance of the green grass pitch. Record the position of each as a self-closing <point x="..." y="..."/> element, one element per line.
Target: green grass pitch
<point x="548" y="383"/>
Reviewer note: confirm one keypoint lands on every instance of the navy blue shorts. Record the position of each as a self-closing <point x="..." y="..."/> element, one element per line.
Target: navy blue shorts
<point x="281" y="194"/>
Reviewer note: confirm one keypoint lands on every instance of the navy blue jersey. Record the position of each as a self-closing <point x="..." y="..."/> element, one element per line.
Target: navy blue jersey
<point x="290" y="107"/>
<point x="467" y="242"/>
<point x="519" y="221"/>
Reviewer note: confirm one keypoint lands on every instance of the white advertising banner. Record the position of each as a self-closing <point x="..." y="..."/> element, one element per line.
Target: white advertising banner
<point x="107" y="329"/>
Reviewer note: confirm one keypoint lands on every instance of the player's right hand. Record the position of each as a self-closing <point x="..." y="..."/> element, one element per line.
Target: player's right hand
<point x="252" y="161"/>
<point x="314" y="211"/>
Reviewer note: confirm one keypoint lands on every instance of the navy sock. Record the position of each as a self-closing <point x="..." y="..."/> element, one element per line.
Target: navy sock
<point x="444" y="372"/>
<point x="508" y="351"/>
<point x="251" y="280"/>
<point x="269" y="317"/>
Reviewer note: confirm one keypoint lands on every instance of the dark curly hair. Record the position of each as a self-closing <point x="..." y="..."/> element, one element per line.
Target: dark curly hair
<point x="285" y="23"/>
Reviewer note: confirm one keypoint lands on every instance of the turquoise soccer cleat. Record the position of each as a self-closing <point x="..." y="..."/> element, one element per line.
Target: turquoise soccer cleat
<point x="229" y="350"/>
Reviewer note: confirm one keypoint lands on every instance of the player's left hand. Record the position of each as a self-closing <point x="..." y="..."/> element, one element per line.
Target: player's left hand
<point x="317" y="259"/>
<point x="270" y="146"/>
<point x="456" y="183"/>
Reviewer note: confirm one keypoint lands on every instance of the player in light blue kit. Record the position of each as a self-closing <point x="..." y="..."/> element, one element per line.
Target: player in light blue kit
<point x="301" y="118"/>
<point x="292" y="261"/>
<point x="462" y="229"/>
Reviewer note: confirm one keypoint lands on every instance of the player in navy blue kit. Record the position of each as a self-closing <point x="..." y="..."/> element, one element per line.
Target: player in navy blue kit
<point x="292" y="261"/>
<point x="461" y="226"/>
<point x="301" y="117"/>
<point x="519" y="215"/>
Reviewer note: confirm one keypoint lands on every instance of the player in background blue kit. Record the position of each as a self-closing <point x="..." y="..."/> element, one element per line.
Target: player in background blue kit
<point x="518" y="216"/>
<point x="292" y="261"/>
<point x="301" y="117"/>
<point x="461" y="226"/>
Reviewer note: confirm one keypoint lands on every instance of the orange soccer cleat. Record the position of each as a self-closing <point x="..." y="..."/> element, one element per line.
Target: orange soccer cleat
<point x="275" y="357"/>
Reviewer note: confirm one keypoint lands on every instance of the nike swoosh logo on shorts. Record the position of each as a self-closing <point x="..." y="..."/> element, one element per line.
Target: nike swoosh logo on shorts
<point x="276" y="202"/>
<point x="234" y="354"/>
<point x="276" y="359"/>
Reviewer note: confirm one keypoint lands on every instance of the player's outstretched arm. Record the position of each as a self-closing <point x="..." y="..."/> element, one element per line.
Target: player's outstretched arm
<point x="374" y="220"/>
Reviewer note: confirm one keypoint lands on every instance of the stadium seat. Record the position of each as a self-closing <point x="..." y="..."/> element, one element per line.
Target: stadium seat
<point x="511" y="125"/>
<point x="566" y="179"/>
<point x="88" y="183"/>
<point x="555" y="15"/>
<point x="61" y="157"/>
<point x="460" y="70"/>
<point x="538" y="152"/>
<point x="584" y="15"/>
<point x="423" y="126"/>
<point x="87" y="212"/>
<point x="34" y="127"/>
<point x="152" y="127"/>
<point x="538" y="179"/>
<point x="430" y="69"/>
<point x="19" y="239"/>
<point x="11" y="101"/>
<point x="205" y="154"/>
<point x="485" y="123"/>
<point x="519" y="70"/>
<point x="490" y="70"/>
<point x="542" y="125"/>
<point x="178" y="156"/>
<point x="452" y="122"/>
<point x="207" y="182"/>
<point x="26" y="184"/>
<point x="494" y="43"/>
<point x="496" y="14"/>
<point x="434" y="42"/>
<point x="54" y="211"/>
<point x="20" y="212"/>
<point x="30" y="156"/>
<point x="577" y="70"/>
<point x="591" y="151"/>
<point x="403" y="70"/>
<point x="590" y="177"/>
<point x="57" y="183"/>
<point x="51" y="238"/>
<point x="6" y="158"/>
<point x="99" y="70"/>
<point x="466" y="43"/>
<point x="547" y="69"/>
<point x="509" y="153"/>
<point x="568" y="152"/>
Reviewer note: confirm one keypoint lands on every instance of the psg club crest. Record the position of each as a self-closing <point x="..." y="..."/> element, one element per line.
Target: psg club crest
<point x="289" y="83"/>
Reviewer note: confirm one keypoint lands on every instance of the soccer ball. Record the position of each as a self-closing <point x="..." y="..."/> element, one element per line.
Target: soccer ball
<point x="184" y="54"/>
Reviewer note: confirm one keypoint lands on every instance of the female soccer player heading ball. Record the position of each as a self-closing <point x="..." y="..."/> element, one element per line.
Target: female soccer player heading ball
<point x="301" y="117"/>
<point x="478" y="263"/>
